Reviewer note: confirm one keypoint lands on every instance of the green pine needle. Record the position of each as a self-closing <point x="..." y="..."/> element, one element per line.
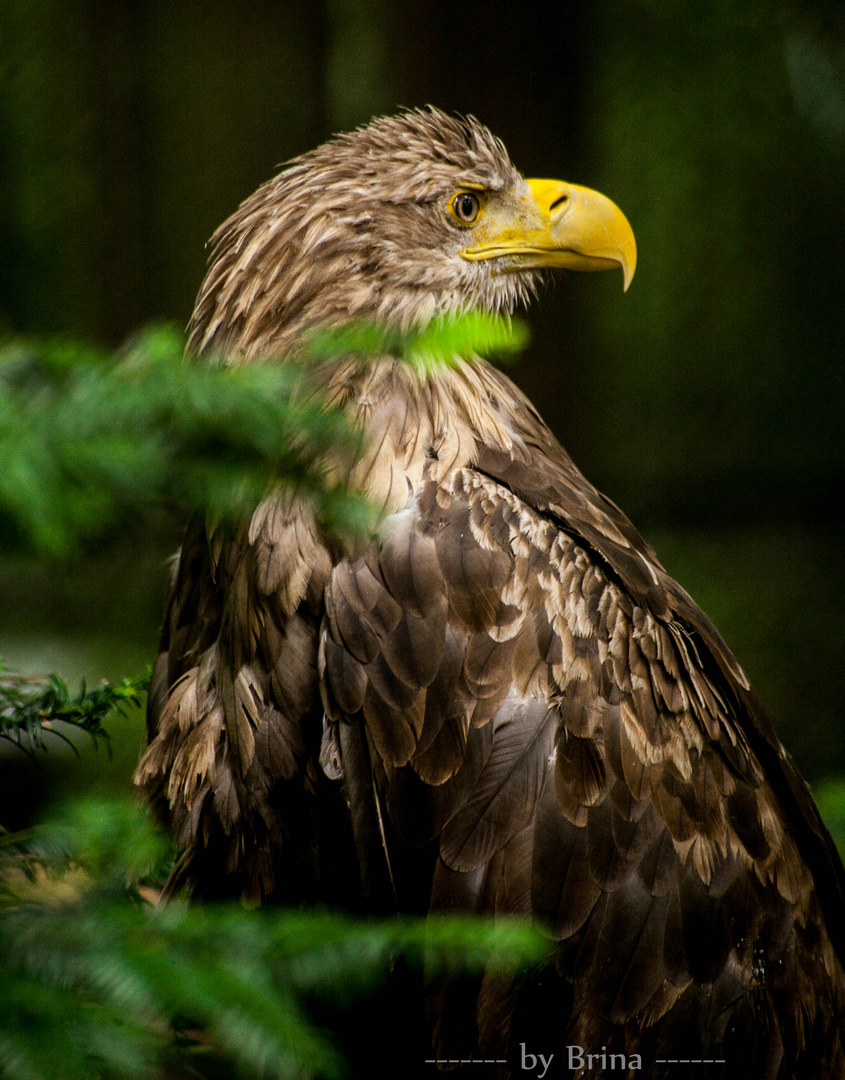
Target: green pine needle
<point x="91" y="440"/>
<point x="99" y="983"/>
<point x="31" y="706"/>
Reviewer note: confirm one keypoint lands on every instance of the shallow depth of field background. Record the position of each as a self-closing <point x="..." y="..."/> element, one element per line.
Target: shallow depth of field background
<point x="707" y="402"/>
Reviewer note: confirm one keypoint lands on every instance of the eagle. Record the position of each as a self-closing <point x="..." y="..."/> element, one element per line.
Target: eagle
<point x="499" y="703"/>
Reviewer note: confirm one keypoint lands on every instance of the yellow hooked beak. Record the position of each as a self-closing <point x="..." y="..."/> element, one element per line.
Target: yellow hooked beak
<point x="558" y="225"/>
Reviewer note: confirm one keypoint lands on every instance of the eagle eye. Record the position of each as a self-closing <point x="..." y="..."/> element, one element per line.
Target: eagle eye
<point x="465" y="207"/>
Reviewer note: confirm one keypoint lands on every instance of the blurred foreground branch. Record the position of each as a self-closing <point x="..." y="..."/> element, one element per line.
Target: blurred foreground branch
<point x="90" y="439"/>
<point x="97" y="982"/>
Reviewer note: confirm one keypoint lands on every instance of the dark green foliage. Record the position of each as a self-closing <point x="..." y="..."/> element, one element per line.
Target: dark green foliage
<point x="31" y="705"/>
<point x="439" y="342"/>
<point x="97" y="982"/>
<point x="91" y="439"/>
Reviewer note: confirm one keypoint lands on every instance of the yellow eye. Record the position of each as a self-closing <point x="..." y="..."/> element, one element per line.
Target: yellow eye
<point x="465" y="207"/>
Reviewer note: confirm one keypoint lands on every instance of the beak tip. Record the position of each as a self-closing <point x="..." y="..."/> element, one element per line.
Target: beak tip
<point x="629" y="266"/>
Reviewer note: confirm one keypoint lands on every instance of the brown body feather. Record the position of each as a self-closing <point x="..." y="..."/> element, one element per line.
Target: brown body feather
<point x="503" y="705"/>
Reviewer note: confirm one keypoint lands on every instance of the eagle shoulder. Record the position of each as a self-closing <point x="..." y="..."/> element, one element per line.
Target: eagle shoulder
<point x="556" y="731"/>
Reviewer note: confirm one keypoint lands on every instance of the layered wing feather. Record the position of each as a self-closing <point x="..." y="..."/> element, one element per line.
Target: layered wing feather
<point x="233" y="717"/>
<point x="556" y="729"/>
<point x="524" y="716"/>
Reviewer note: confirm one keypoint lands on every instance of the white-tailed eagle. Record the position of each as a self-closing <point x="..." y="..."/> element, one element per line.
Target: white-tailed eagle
<point x="503" y="704"/>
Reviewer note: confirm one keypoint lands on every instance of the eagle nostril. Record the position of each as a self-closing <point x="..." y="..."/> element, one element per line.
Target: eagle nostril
<point x="559" y="202"/>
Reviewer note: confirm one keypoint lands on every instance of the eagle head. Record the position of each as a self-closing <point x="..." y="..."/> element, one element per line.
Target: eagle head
<point x="409" y="217"/>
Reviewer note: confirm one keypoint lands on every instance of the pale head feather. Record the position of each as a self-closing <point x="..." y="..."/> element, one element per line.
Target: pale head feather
<point x="357" y="229"/>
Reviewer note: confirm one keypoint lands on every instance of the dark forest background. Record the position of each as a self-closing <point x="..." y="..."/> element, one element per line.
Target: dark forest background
<point x="707" y="402"/>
